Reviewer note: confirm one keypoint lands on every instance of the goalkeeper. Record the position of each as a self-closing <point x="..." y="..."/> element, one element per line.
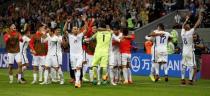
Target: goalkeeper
<point x="103" y="37"/>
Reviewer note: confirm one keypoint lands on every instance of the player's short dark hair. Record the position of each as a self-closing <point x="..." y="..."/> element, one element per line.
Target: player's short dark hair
<point x="39" y="24"/>
<point x="125" y="31"/>
<point x="102" y="24"/>
<point x="10" y="24"/>
<point x="116" y="28"/>
<point x="161" y="26"/>
<point x="175" y="27"/>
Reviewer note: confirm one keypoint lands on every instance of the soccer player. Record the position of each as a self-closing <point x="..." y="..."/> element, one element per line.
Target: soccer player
<point x="188" y="56"/>
<point x="101" y="55"/>
<point x="52" y="59"/>
<point x="114" y="58"/>
<point x="125" y="50"/>
<point x="68" y="29"/>
<point x="160" y="53"/>
<point x="89" y="48"/>
<point x="59" y="55"/>
<point x="76" y="53"/>
<point x="23" y="51"/>
<point x="12" y="39"/>
<point x="103" y="37"/>
<point x="39" y="51"/>
<point x="152" y="71"/>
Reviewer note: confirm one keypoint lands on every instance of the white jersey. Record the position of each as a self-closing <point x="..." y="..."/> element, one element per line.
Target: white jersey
<point x="75" y="43"/>
<point x="114" y="58"/>
<point x="188" y="57"/>
<point x="161" y="42"/>
<point x="115" y="48"/>
<point x="24" y="44"/>
<point x="59" y="49"/>
<point x="52" y="44"/>
<point x="187" y="38"/>
<point x="159" y="48"/>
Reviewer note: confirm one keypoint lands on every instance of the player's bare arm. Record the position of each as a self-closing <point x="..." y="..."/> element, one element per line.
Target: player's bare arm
<point x="154" y="34"/>
<point x="69" y="19"/>
<point x="198" y="22"/>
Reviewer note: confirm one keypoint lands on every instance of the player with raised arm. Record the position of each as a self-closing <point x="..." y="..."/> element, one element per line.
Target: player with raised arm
<point x="188" y="56"/>
<point x="51" y="60"/>
<point x="12" y="39"/>
<point x="76" y="51"/>
<point x="89" y="48"/>
<point x="160" y="53"/>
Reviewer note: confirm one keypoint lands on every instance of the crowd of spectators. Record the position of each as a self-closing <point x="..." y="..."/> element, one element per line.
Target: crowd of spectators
<point x="195" y="7"/>
<point x="26" y="14"/>
<point x="125" y="13"/>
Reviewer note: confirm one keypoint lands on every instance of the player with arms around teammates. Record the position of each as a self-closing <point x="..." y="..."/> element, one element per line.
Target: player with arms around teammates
<point x="125" y="51"/>
<point x="159" y="50"/>
<point x="53" y="60"/>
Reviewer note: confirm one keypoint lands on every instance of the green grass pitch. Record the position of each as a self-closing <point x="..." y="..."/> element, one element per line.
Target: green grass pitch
<point x="142" y="86"/>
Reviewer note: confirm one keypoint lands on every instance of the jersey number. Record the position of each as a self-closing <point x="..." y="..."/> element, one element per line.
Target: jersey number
<point x="162" y="39"/>
<point x="103" y="37"/>
<point x="184" y="40"/>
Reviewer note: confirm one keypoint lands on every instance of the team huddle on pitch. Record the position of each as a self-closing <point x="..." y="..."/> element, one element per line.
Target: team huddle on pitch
<point x="101" y="52"/>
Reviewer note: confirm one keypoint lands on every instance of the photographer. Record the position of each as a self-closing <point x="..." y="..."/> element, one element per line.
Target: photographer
<point x="199" y="46"/>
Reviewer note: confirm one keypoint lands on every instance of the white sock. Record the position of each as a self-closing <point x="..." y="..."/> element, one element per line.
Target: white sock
<point x="77" y="76"/>
<point x="19" y="76"/>
<point x="152" y="69"/>
<point x="157" y="69"/>
<point x="53" y="74"/>
<point x="91" y="75"/>
<point x="165" y="67"/>
<point x="116" y="74"/>
<point x="85" y="68"/>
<point x="35" y="76"/>
<point x="46" y="74"/>
<point x="11" y="77"/>
<point x="60" y="72"/>
<point x="183" y="72"/>
<point x="129" y="74"/>
<point x="125" y="74"/>
<point x="99" y="73"/>
<point x="111" y="73"/>
<point x="40" y="71"/>
<point x="191" y="73"/>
